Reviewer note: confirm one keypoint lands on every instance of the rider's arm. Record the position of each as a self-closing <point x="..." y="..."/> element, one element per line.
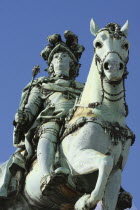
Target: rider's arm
<point x="32" y="108"/>
<point x="34" y="103"/>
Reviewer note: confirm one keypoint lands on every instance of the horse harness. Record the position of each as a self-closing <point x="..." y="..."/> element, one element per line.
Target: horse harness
<point x="114" y="130"/>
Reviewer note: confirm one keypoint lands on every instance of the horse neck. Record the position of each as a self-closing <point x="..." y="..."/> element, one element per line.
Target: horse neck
<point x="98" y="90"/>
<point x="92" y="90"/>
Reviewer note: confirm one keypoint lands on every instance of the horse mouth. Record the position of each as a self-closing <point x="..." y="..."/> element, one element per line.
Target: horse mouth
<point x="115" y="78"/>
<point x="116" y="75"/>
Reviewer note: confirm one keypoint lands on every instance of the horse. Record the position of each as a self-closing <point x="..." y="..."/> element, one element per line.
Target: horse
<point x="96" y="141"/>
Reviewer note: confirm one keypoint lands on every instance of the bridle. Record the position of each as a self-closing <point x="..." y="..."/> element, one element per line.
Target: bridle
<point x="114" y="31"/>
<point x="101" y="62"/>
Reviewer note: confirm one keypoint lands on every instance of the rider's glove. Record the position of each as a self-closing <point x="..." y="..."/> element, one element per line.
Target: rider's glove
<point x="21" y="117"/>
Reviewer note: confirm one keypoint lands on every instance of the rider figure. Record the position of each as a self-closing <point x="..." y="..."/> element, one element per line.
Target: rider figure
<point x="49" y="102"/>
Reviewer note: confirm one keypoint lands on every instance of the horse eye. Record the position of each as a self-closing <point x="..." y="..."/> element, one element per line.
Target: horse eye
<point x="126" y="46"/>
<point x="98" y="45"/>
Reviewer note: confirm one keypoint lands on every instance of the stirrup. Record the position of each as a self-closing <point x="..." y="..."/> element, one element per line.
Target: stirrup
<point x="44" y="185"/>
<point x="50" y="182"/>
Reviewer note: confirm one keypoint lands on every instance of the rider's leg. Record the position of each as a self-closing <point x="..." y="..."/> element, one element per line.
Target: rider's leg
<point x="46" y="157"/>
<point x="47" y="146"/>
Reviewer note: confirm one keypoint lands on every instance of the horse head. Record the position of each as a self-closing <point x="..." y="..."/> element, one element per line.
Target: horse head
<point x="111" y="49"/>
<point x="105" y="82"/>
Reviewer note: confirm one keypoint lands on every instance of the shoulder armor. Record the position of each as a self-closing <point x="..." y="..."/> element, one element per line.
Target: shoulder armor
<point x="79" y="85"/>
<point x="37" y="81"/>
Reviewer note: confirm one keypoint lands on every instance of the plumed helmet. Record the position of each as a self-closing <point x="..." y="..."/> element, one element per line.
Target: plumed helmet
<point x="56" y="44"/>
<point x="70" y="46"/>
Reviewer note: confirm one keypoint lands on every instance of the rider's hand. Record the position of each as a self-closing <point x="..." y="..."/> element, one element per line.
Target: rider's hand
<point x="21" y="117"/>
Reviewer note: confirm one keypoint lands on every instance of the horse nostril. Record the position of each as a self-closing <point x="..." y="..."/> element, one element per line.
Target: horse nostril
<point x="121" y="66"/>
<point x="106" y="66"/>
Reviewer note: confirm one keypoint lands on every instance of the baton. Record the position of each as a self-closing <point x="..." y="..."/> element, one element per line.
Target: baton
<point x="18" y="134"/>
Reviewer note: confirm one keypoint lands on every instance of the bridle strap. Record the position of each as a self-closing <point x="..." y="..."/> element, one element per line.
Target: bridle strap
<point x="100" y="61"/>
<point x="97" y="58"/>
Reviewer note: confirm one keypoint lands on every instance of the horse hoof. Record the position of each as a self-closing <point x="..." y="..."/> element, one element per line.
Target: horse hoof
<point x="124" y="200"/>
<point x="83" y="203"/>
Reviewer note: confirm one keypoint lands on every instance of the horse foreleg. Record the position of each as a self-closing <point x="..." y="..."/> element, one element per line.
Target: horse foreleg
<point x="111" y="191"/>
<point x="87" y="161"/>
<point x="114" y="182"/>
<point x="105" y="168"/>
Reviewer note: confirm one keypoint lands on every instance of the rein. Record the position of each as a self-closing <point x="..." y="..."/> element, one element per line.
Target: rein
<point x="101" y="72"/>
<point x="117" y="94"/>
<point x="113" y="100"/>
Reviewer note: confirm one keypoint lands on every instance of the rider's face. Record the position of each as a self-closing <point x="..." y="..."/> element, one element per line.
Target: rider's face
<point x="61" y="63"/>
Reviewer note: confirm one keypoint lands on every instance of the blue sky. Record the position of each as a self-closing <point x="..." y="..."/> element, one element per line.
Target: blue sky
<point x="24" y="26"/>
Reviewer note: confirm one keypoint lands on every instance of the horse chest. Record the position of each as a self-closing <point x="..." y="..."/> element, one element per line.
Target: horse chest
<point x="102" y="136"/>
<point x="111" y="114"/>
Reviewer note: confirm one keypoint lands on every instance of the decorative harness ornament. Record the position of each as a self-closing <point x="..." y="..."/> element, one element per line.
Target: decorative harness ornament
<point x="116" y="132"/>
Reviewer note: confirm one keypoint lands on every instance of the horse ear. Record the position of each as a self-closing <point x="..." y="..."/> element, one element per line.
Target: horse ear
<point x="93" y="27"/>
<point x="124" y="28"/>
